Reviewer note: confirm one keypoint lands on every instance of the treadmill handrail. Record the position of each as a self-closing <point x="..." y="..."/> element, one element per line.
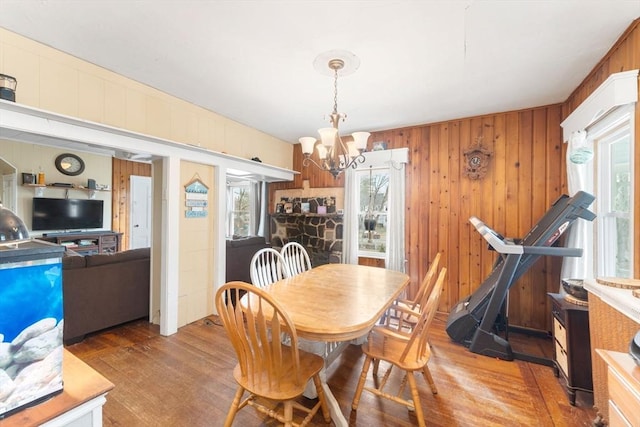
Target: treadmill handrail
<point x="492" y="237"/>
<point x="552" y="251"/>
<point x="506" y="246"/>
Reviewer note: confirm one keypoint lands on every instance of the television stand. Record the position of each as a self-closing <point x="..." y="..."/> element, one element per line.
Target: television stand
<point x="87" y="242"/>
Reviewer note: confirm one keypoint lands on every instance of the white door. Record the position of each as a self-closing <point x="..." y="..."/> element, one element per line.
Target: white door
<point x="140" y="214"/>
<point x="9" y="195"/>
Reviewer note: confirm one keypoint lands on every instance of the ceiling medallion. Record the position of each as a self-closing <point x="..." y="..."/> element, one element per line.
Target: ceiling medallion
<point x="476" y="160"/>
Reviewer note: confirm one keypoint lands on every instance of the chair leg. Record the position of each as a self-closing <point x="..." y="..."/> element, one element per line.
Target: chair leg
<point x="288" y="413"/>
<point x="429" y="379"/>
<point x="234" y="407"/>
<point x="363" y="377"/>
<point x="416" y="399"/>
<point x="322" y="398"/>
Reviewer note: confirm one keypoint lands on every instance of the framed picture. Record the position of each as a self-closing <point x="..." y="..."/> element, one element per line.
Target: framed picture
<point x="304" y="207"/>
<point x="28" y="178"/>
<point x="379" y="145"/>
<point x="322" y="210"/>
<point x="288" y="207"/>
<point x="279" y="207"/>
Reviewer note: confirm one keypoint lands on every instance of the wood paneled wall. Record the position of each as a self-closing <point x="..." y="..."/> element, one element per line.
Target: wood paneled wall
<point x="121" y="194"/>
<point x="526" y="175"/>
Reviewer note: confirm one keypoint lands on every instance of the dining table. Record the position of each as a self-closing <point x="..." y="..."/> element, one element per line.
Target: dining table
<point x="337" y="303"/>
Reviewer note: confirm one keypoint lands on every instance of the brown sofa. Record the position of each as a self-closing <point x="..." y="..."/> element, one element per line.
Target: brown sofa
<point x="239" y="254"/>
<point x="104" y="290"/>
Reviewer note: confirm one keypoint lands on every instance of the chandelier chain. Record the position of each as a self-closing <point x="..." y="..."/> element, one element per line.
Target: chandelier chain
<point x="335" y="91"/>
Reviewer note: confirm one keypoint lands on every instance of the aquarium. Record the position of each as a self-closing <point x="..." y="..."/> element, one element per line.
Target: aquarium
<point x="31" y="322"/>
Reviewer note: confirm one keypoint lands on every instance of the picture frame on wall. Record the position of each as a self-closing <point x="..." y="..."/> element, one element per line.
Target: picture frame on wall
<point x="28" y="178"/>
<point x="288" y="207"/>
<point x="379" y="145"/>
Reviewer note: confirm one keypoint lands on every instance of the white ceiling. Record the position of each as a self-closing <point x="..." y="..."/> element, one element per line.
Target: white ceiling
<point x="420" y="61"/>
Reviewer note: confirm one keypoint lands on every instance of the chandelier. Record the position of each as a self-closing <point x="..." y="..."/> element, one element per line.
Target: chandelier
<point x="334" y="154"/>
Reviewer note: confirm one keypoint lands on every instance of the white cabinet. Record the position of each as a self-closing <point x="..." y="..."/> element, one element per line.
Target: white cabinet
<point x="623" y="384"/>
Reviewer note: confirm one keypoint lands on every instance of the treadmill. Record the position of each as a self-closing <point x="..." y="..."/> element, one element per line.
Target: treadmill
<point x="473" y="320"/>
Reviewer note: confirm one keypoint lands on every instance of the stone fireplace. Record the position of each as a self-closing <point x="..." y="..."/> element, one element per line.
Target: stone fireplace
<point x="319" y="233"/>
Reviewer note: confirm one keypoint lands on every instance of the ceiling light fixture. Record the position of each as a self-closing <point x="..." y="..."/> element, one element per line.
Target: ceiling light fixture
<point x="334" y="154"/>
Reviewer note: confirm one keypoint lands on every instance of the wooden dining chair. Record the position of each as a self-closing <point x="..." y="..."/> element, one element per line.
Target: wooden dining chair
<point x="267" y="266"/>
<point x="296" y="258"/>
<point x="407" y="351"/>
<point x="394" y="317"/>
<point x="267" y="368"/>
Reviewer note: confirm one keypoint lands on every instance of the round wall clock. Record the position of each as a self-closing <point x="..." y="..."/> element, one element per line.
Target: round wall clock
<point x="69" y="164"/>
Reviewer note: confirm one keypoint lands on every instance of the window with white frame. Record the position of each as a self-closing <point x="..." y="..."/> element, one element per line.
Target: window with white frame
<point x="376" y="190"/>
<point x="614" y="246"/>
<point x="600" y="133"/>
<point x="239" y="218"/>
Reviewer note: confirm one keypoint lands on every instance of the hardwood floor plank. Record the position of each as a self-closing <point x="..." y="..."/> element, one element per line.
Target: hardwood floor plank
<point x="185" y="380"/>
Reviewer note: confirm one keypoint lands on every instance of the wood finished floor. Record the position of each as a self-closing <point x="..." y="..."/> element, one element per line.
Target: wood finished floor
<point x="185" y="380"/>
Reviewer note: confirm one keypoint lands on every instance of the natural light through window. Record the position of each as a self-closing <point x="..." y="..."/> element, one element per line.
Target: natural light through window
<point x="239" y="212"/>
<point x="615" y="203"/>
<point x="373" y="212"/>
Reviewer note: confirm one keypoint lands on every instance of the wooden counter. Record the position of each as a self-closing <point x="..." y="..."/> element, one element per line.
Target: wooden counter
<point x="79" y="403"/>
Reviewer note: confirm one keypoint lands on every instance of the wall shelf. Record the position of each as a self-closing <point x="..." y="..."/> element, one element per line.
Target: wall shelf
<point x="38" y="189"/>
<point x="310" y="214"/>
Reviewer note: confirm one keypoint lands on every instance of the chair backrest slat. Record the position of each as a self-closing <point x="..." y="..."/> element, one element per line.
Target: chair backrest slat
<point x="296" y="257"/>
<point x="267" y="266"/>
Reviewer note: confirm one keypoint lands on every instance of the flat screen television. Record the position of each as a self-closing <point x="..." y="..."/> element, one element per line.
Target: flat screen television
<point x="66" y="214"/>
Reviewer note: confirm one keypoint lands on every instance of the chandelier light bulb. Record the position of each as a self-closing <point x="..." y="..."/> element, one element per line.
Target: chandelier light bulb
<point x="351" y="148"/>
<point x="328" y="136"/>
<point x="307" y="143"/>
<point x="360" y="140"/>
<point x="322" y="151"/>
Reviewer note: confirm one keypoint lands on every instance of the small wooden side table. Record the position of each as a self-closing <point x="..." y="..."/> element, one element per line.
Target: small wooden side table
<point x="79" y="404"/>
<point x="572" y="348"/>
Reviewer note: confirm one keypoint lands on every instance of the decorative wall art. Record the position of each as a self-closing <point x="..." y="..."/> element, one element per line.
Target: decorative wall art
<point x="196" y="198"/>
<point x="307" y="205"/>
<point x="288" y="207"/>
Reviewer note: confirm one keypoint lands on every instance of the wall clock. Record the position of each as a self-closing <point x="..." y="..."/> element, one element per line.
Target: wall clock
<point x="476" y="160"/>
<point x="69" y="164"/>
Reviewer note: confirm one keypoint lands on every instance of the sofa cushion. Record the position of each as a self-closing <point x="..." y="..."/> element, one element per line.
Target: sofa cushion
<point x="129" y="255"/>
<point x="246" y="241"/>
